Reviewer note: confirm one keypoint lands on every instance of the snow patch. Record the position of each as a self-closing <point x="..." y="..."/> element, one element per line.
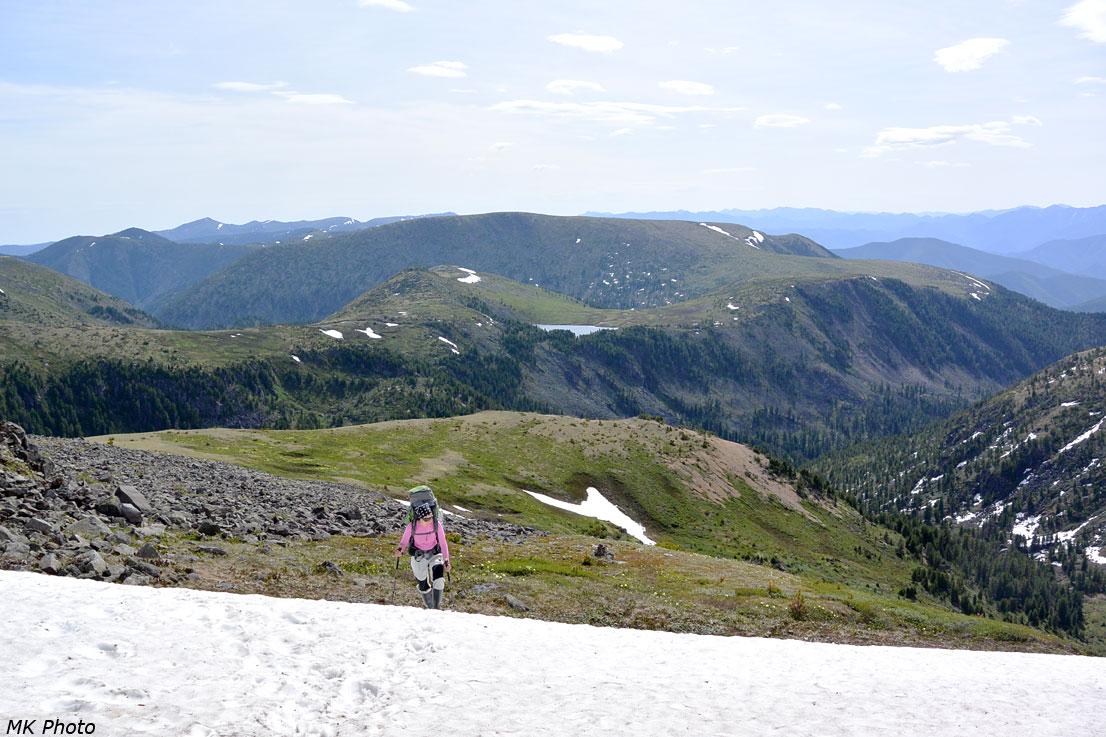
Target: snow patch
<point x="472" y="277"/>
<point x="597" y="506"/>
<point x="307" y="237"/>
<point x="1083" y="437"/>
<point x="194" y="662"/>
<point x="369" y="332"/>
<point x="716" y="229"/>
<point x="1027" y="528"/>
<point x="332" y="333"/>
<point x="296" y="358"/>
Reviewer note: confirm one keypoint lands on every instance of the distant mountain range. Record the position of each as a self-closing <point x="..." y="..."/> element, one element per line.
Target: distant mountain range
<point x="1005" y="231"/>
<point x="1049" y="285"/>
<point x="604" y="261"/>
<point x="206" y="230"/>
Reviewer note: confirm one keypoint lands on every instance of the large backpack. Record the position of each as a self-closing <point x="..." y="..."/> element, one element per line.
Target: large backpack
<point x="421" y="497"/>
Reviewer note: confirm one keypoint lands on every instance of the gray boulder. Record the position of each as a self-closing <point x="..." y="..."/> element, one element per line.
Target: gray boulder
<point x="131" y="495"/>
<point x="88" y="527"/>
<point x="131" y="513"/>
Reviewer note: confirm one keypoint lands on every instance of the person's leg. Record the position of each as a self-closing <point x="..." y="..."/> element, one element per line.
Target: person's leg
<point x="421" y="567"/>
<point x="437" y="575"/>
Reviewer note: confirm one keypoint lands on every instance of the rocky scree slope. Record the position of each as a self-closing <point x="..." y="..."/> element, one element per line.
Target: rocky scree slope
<point x="82" y="509"/>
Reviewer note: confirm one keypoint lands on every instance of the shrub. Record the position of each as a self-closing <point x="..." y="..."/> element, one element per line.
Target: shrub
<point x="797" y="607"/>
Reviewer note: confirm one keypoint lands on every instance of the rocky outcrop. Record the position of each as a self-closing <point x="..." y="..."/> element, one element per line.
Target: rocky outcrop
<point x="76" y="508"/>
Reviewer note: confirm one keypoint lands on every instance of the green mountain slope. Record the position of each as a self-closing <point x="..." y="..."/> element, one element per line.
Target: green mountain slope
<point x="798" y="366"/>
<point x="785" y="556"/>
<point x="1026" y="463"/>
<point x="604" y="262"/>
<point x="35" y="297"/>
<point x="137" y="266"/>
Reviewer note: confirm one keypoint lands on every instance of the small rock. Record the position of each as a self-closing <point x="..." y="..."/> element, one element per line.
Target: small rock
<point x="210" y="550"/>
<point x="517" y="604"/>
<point x="131" y="513"/>
<point x="209" y="528"/>
<point x="89" y="527"/>
<point x="49" y="564"/>
<point x="40" y="525"/>
<point x="93" y="563"/>
<point x="332" y="568"/>
<point x="147" y="569"/>
<point x="148" y="551"/>
<point x="109" y="507"/>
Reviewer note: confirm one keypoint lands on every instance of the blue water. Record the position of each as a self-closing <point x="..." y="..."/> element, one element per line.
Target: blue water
<point x="576" y="330"/>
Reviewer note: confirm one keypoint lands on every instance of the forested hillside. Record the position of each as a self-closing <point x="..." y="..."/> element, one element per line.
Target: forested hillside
<point x="137" y="266"/>
<point x="799" y="367"/>
<point x="32" y="295"/>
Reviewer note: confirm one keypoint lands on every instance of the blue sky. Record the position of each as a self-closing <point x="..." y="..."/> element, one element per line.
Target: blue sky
<point x="116" y="114"/>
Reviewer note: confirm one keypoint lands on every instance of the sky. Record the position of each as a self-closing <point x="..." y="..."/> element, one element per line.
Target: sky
<point x="124" y="113"/>
<point x="142" y="660"/>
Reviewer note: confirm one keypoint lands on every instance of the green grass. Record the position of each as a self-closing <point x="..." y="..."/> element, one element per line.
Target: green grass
<point x="654" y="472"/>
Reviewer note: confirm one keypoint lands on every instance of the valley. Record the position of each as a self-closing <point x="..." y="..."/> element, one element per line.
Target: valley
<point x="768" y="341"/>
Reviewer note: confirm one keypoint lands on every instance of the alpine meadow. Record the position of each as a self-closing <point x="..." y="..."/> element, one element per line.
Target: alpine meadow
<point x="728" y="369"/>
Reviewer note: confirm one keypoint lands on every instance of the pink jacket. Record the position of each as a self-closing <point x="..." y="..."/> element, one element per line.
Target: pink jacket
<point x="425" y="538"/>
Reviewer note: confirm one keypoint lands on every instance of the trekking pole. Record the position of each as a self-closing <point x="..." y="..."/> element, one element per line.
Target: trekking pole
<point x="394" y="570"/>
<point x="452" y="595"/>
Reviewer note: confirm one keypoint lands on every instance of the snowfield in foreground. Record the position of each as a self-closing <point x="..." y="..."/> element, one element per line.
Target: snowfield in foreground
<point x="139" y="660"/>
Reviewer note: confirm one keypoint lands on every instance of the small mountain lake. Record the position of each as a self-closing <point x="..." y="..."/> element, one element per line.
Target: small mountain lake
<point x="576" y="330"/>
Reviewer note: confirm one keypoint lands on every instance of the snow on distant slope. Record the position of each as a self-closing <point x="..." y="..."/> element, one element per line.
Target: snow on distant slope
<point x="141" y="660"/>
<point x="596" y="505"/>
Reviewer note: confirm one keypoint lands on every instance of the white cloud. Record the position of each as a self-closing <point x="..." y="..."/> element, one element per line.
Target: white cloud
<point x="250" y="86"/>
<point x="569" y="86"/>
<point x="546" y="167"/>
<point x="832" y="106"/>
<point x="621" y="132"/>
<point x="1089" y="16"/>
<point x="941" y="164"/>
<point x="501" y="146"/>
<point x="685" y="87"/>
<point x="599" y="44"/>
<point x="729" y="170"/>
<point x="780" y="120"/>
<point x="995" y="133"/>
<point x="315" y="99"/>
<point x="603" y="112"/>
<point x="1091" y="80"/>
<point x="397" y="5"/>
<point x="441" y="69"/>
<point x="1027" y="120"/>
<point x="970" y="54"/>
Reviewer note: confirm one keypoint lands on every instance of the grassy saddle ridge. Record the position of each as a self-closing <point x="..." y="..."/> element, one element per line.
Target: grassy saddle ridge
<point x="745" y="547"/>
<point x="35" y="295"/>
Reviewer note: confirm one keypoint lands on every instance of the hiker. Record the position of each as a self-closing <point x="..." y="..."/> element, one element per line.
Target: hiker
<point x="424" y="540"/>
